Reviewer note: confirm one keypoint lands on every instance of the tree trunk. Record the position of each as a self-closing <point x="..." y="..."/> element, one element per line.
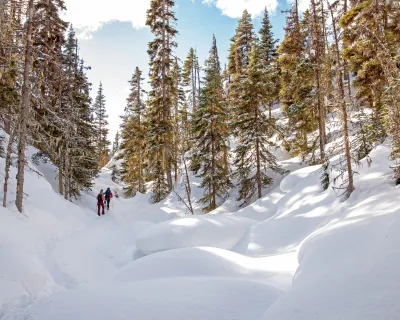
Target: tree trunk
<point x="213" y="164"/>
<point x="198" y="79"/>
<point x="8" y="165"/>
<point x="350" y="187"/>
<point x="60" y="180"/>
<point x="187" y="186"/>
<point x="194" y="82"/>
<point x="24" y="109"/>
<point x="165" y="107"/>
<point x="321" y="116"/>
<point x="258" y="173"/>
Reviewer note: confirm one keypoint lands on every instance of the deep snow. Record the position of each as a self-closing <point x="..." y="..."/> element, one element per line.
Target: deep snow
<point x="298" y="253"/>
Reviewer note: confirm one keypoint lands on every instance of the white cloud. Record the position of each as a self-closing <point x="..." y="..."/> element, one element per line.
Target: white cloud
<point x="89" y="15"/>
<point x="235" y="8"/>
<point x="303" y="4"/>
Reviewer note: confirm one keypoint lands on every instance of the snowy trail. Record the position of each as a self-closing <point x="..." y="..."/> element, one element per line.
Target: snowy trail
<point x="306" y="256"/>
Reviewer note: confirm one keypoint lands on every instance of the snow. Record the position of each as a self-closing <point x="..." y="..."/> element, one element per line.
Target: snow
<point x="298" y="253"/>
<point x="213" y="231"/>
<point x="210" y="262"/>
<point x="167" y="299"/>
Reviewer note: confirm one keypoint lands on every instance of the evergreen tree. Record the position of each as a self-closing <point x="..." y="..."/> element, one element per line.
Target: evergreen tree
<point x="239" y="57"/>
<point x="84" y="162"/>
<point x="297" y="80"/>
<point x="267" y="41"/>
<point x="24" y="109"/>
<point x="362" y="55"/>
<point x="101" y="123"/>
<point x="253" y="156"/>
<point x="161" y="20"/>
<point x="115" y="146"/>
<point x="190" y="77"/>
<point x="340" y="95"/>
<point x="268" y="59"/>
<point x="133" y="134"/>
<point x="211" y="134"/>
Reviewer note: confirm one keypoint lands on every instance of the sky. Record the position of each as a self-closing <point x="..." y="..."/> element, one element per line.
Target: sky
<point x="113" y="37"/>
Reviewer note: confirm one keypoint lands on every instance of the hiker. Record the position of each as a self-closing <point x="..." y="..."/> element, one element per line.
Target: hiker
<point x="100" y="202"/>
<point x="108" y="197"/>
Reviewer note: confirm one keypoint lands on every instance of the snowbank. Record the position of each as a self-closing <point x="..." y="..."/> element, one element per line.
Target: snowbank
<point x="197" y="231"/>
<point x="210" y="262"/>
<point x="348" y="268"/>
<point x="167" y="299"/>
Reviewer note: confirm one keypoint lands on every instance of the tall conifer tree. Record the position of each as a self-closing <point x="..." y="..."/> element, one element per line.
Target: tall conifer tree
<point x="161" y="20"/>
<point x="101" y="123"/>
<point x="253" y="154"/>
<point x="134" y="138"/>
<point x="211" y="133"/>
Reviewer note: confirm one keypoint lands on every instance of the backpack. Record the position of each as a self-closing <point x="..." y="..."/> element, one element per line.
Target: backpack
<point x="108" y="192"/>
<point x="99" y="197"/>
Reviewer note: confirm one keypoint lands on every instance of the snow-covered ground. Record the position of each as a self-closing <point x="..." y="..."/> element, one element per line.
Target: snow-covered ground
<point x="298" y="253"/>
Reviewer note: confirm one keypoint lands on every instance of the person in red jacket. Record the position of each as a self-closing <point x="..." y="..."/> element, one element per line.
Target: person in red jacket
<point x="108" y="197"/>
<point x="100" y="202"/>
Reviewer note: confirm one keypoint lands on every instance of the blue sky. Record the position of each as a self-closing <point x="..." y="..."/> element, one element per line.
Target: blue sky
<point x="115" y="41"/>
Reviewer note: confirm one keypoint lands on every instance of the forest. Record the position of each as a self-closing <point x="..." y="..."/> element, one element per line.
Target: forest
<point x="338" y="64"/>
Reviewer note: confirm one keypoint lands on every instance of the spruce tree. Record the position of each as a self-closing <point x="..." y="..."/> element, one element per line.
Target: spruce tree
<point x="211" y="134"/>
<point x="101" y="123"/>
<point x="24" y="109"/>
<point x="190" y="78"/>
<point x="161" y="20"/>
<point x="115" y="146"/>
<point x="134" y="137"/>
<point x="297" y="84"/>
<point x="268" y="57"/>
<point x="340" y="97"/>
<point x="362" y="55"/>
<point x="253" y="156"/>
<point x="239" y="57"/>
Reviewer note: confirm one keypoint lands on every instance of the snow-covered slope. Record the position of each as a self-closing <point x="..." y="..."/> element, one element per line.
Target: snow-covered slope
<point x="298" y="253"/>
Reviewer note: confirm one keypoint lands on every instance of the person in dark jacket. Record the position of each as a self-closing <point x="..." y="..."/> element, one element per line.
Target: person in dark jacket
<point x="100" y="202"/>
<point x="108" y="196"/>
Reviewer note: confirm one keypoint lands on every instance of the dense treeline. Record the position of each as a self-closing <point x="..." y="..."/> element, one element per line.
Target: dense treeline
<point x="337" y="65"/>
<point x="44" y="97"/>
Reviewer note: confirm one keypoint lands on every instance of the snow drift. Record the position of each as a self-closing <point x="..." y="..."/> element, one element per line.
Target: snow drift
<point x="208" y="231"/>
<point x="167" y="299"/>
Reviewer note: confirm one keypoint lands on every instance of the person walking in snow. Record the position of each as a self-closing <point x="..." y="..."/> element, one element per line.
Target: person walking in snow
<point x="108" y="197"/>
<point x="100" y="202"/>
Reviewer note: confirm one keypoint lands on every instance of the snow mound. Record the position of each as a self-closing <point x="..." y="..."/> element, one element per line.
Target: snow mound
<point x="293" y="179"/>
<point x="168" y="299"/>
<point x="208" y="262"/>
<point x="197" y="231"/>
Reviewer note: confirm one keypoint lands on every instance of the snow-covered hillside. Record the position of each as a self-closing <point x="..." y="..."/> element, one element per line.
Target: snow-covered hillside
<point x="298" y="253"/>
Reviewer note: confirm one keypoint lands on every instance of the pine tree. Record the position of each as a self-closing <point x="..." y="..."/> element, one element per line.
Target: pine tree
<point x="362" y="56"/>
<point x="211" y="134"/>
<point x="84" y="165"/>
<point x="253" y="156"/>
<point x="115" y="146"/>
<point x="297" y="81"/>
<point x="190" y="78"/>
<point x="340" y="97"/>
<point x="24" y="109"/>
<point x="134" y="137"/>
<point x="161" y="20"/>
<point x="101" y="123"/>
<point x="239" y="57"/>
<point x="317" y="58"/>
<point x="268" y="57"/>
